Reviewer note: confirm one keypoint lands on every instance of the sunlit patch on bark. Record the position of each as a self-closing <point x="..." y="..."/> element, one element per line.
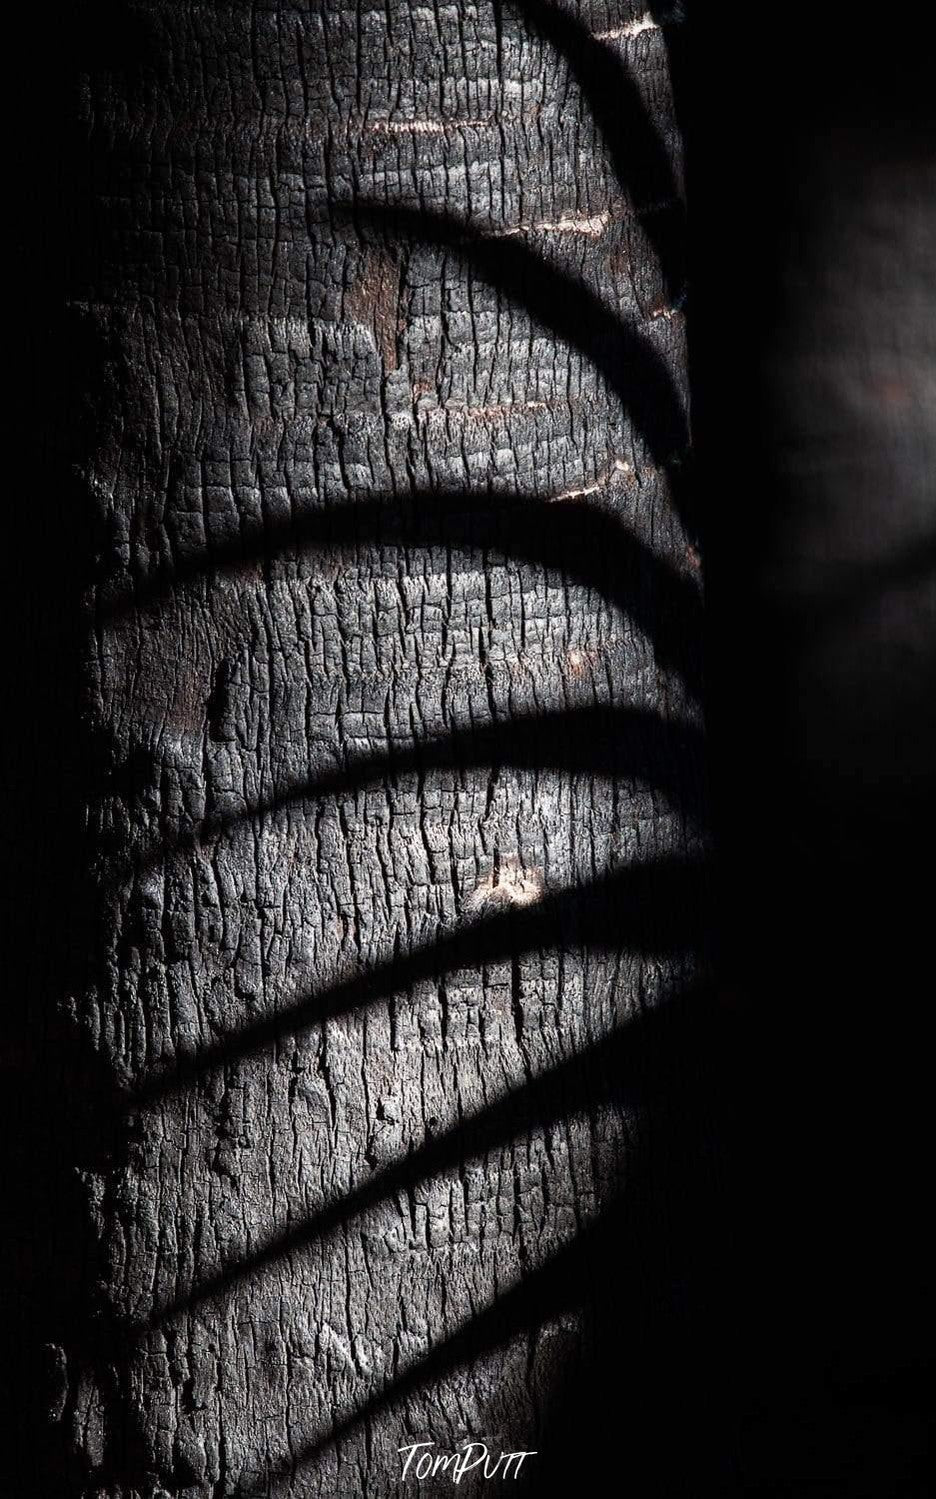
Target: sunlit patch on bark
<point x="508" y="884"/>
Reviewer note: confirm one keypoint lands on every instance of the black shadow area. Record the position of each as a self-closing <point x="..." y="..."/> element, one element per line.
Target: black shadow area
<point x="811" y="209"/>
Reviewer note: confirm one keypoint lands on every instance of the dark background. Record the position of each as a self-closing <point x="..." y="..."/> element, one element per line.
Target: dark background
<point x="813" y="209"/>
<point x="811" y="157"/>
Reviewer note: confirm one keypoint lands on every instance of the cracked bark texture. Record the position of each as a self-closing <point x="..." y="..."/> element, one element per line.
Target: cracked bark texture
<point x="389" y="952"/>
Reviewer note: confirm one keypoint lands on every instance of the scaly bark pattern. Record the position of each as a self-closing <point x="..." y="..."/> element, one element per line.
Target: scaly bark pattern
<point x="392" y="682"/>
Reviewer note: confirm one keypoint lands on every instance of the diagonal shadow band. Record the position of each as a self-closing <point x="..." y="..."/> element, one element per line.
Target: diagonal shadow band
<point x="582" y="541"/>
<point x="652" y="908"/>
<point x="637" y="150"/>
<point x="601" y="1253"/>
<point x="623" y="743"/>
<point x="554" y="1287"/>
<point x="560" y="302"/>
<point x="641" y="1056"/>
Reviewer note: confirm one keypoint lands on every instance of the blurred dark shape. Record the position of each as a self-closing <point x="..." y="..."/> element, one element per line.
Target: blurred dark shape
<point x="813" y="203"/>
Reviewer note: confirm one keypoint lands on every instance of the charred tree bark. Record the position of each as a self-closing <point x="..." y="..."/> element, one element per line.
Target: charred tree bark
<point x="390" y="954"/>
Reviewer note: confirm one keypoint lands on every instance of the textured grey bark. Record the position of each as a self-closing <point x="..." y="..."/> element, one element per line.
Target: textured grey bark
<point x="394" y="881"/>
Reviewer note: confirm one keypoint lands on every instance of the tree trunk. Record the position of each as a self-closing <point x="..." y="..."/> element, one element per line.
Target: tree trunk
<point x="389" y="963"/>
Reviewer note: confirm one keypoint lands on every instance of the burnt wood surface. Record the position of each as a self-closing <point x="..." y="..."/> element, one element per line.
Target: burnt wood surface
<point x="375" y="1057"/>
<point x="363" y="1082"/>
